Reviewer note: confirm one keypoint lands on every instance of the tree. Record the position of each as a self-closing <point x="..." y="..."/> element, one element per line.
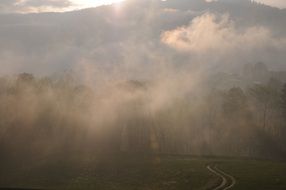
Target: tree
<point x="265" y="98"/>
<point x="283" y="101"/>
<point x="25" y="77"/>
<point x="236" y="121"/>
<point x="235" y="102"/>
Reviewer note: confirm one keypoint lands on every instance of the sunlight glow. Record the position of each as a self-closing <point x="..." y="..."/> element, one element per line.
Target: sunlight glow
<point x="93" y="3"/>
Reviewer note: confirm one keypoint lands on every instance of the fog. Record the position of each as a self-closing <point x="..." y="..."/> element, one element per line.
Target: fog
<point x="145" y="77"/>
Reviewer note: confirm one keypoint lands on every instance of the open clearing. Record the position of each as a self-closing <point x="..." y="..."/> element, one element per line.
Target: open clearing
<point x="157" y="172"/>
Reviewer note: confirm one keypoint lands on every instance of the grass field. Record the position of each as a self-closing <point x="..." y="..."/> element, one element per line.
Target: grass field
<point x="145" y="173"/>
<point x="256" y="174"/>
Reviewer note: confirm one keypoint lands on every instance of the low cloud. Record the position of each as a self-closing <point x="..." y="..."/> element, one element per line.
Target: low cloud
<point x="275" y="3"/>
<point x="211" y="36"/>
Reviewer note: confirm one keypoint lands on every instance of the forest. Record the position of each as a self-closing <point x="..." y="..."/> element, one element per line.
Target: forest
<point x="61" y="117"/>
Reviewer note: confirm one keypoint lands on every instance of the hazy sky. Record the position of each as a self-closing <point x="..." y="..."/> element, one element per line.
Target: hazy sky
<point x="24" y="6"/>
<point x="8" y="6"/>
<point x="92" y="3"/>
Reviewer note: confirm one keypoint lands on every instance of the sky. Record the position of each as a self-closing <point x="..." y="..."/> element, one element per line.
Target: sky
<point x="26" y="6"/>
<point x="93" y="3"/>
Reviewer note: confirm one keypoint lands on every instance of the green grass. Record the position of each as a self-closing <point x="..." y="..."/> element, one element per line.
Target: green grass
<point x="256" y="174"/>
<point x="143" y="173"/>
<point x="121" y="172"/>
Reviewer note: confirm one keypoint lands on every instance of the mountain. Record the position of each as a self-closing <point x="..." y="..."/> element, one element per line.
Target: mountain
<point x="50" y="42"/>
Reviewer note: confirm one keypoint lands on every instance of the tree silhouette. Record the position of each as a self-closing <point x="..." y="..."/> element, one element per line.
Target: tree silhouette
<point x="235" y="102"/>
<point x="283" y="101"/>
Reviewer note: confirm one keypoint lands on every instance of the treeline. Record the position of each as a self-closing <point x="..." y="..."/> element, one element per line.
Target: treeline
<point x="46" y="118"/>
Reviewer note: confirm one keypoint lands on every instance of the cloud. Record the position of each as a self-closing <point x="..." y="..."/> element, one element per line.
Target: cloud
<point x="210" y="1"/>
<point x="213" y="37"/>
<point x="47" y="3"/>
<point x="8" y="6"/>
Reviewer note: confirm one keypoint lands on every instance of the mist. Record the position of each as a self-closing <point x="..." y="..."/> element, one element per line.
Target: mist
<point x="143" y="78"/>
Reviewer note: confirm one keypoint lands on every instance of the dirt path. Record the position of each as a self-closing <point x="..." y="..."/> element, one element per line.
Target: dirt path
<point x="228" y="181"/>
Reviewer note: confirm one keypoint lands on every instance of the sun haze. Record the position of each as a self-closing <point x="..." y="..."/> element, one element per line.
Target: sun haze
<point x="93" y="3"/>
<point x="39" y="6"/>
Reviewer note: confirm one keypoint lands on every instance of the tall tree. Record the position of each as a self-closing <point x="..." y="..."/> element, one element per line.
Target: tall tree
<point x="265" y="97"/>
<point x="235" y="102"/>
<point x="283" y="101"/>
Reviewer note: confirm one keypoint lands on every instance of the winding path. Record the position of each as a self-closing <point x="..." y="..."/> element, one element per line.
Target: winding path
<point x="228" y="181"/>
